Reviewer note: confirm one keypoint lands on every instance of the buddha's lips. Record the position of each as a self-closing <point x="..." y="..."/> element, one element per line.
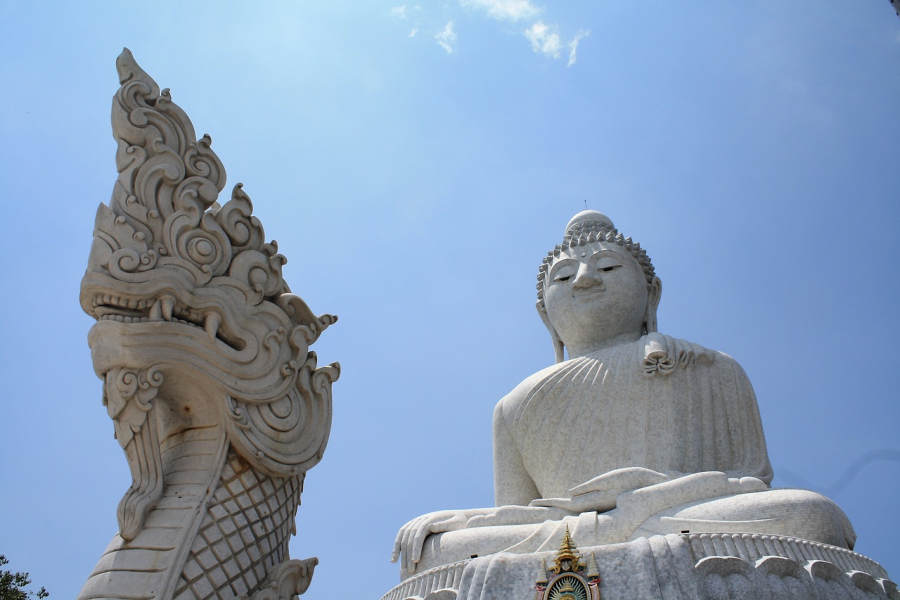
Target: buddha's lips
<point x="589" y="292"/>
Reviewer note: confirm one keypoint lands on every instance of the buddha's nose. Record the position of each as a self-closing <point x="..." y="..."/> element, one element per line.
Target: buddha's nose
<point x="586" y="278"/>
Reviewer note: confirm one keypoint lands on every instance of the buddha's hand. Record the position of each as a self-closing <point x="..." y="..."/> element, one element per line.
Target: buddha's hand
<point x="411" y="537"/>
<point x="517" y="515"/>
<point x="599" y="494"/>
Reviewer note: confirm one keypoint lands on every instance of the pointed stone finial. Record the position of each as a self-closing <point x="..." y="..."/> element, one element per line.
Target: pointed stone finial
<point x="568" y="558"/>
<point x="593" y="571"/>
<point x="129" y="70"/>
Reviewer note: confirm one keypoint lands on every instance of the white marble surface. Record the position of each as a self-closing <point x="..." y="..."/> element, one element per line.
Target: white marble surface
<point x="636" y="434"/>
<point x="214" y="394"/>
<point x="673" y="567"/>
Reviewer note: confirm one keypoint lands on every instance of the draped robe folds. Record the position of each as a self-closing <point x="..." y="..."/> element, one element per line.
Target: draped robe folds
<point x="659" y="403"/>
<point x="590" y="415"/>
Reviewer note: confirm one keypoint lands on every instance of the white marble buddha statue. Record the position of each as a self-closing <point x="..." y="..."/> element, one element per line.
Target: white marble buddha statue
<point x="636" y="434"/>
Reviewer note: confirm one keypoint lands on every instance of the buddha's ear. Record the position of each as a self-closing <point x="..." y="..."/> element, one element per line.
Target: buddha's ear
<point x="654" y="292"/>
<point x="558" y="347"/>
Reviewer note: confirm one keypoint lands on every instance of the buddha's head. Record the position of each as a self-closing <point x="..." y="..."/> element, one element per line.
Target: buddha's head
<point x="596" y="288"/>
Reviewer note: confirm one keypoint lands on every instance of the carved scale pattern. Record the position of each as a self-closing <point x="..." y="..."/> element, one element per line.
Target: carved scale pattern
<point x="243" y="535"/>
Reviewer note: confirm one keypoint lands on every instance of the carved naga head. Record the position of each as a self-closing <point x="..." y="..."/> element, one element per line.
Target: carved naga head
<point x="189" y="297"/>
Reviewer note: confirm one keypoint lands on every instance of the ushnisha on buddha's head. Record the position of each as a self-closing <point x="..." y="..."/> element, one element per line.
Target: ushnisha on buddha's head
<point x="597" y="288"/>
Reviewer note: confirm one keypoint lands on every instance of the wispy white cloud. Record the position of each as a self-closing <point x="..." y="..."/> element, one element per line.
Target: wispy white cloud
<point x="505" y="10"/>
<point x="573" y="46"/>
<point x="446" y="38"/>
<point x="544" y="39"/>
<point x="543" y="35"/>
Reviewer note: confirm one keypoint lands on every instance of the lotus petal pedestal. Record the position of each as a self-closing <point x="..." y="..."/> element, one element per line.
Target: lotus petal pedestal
<point x="671" y="567"/>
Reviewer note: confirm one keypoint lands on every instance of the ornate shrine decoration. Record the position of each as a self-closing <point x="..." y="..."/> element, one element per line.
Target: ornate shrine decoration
<point x="565" y="579"/>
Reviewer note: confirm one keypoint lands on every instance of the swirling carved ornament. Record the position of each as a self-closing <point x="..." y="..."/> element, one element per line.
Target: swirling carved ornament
<point x="198" y="338"/>
<point x="164" y="251"/>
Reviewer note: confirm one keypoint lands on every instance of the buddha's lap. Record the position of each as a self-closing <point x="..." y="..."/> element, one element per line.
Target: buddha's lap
<point x="796" y="513"/>
<point x="788" y="512"/>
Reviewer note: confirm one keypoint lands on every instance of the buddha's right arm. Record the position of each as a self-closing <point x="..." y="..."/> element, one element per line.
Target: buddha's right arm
<point x="411" y="537"/>
<point x="513" y="490"/>
<point x="512" y="483"/>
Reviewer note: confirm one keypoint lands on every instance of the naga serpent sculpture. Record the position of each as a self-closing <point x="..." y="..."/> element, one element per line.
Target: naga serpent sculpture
<point x="207" y="373"/>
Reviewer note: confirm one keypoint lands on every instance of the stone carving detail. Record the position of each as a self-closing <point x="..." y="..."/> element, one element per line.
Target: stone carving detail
<point x="726" y="577"/>
<point x="244" y="501"/>
<point x="128" y="395"/>
<point x="566" y="579"/>
<point x="637" y="434"/>
<point x="443" y="594"/>
<point x="214" y="393"/>
<point x="630" y="438"/>
<point x="291" y="577"/>
<point x="439" y="579"/>
<point x="673" y="567"/>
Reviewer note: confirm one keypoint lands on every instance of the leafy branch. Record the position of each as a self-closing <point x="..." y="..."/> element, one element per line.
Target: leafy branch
<point x="12" y="585"/>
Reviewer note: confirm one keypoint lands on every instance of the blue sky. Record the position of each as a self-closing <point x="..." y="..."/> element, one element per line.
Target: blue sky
<point x="415" y="162"/>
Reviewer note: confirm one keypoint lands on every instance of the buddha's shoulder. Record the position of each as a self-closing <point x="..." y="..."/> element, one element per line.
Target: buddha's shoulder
<point x="657" y="356"/>
<point x="554" y="376"/>
<point x="510" y="403"/>
<point x="536" y="379"/>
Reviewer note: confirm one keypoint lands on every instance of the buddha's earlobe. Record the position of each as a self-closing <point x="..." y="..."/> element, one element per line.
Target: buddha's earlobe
<point x="654" y="292"/>
<point x="559" y="348"/>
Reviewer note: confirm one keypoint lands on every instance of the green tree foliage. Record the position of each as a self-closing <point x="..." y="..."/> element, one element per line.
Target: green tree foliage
<point x="12" y="585"/>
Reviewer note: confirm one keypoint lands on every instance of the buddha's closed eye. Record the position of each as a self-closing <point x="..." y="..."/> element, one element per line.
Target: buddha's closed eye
<point x="564" y="272"/>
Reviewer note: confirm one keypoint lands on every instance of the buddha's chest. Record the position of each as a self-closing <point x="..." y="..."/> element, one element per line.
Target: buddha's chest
<point x="593" y="422"/>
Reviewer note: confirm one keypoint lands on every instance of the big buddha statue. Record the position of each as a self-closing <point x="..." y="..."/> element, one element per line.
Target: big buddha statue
<point x="631" y="433"/>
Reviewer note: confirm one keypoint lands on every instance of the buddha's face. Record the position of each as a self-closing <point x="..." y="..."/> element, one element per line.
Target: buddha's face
<point x="595" y="293"/>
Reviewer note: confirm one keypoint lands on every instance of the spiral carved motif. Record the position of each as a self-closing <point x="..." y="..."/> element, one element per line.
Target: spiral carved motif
<point x="205" y="355"/>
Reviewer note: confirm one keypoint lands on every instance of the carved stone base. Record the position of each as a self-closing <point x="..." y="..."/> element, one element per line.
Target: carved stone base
<point x="288" y="580"/>
<point x="673" y="567"/>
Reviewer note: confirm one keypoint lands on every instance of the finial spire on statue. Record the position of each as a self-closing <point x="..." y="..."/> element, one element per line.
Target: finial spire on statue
<point x="567" y="558"/>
